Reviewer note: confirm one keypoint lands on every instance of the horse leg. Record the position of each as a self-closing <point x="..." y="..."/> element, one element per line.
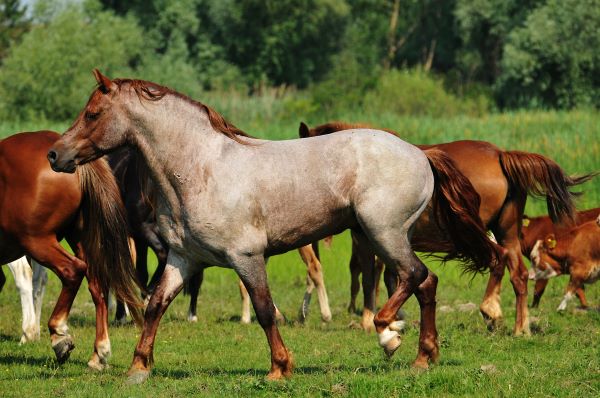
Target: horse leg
<point x="379" y="266"/>
<point x="253" y="274"/>
<point x="490" y="306"/>
<point x="246" y="318"/>
<point x="2" y="279"/>
<point x="540" y="286"/>
<point x="23" y="279"/>
<point x="572" y="287"/>
<point x="102" y="350"/>
<point x="194" y="284"/>
<point x="580" y="292"/>
<point x="176" y="272"/>
<point x="314" y="279"/>
<point x="414" y="278"/>
<point x="355" y="271"/>
<point x="70" y="271"/>
<point x="40" y="280"/>
<point x="366" y="258"/>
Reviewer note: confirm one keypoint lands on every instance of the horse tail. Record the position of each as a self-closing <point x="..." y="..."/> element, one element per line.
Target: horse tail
<point x="456" y="211"/>
<point x="105" y="236"/>
<point x="537" y="175"/>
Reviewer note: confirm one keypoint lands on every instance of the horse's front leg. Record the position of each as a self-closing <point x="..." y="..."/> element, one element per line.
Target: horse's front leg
<point x="253" y="274"/>
<point x="40" y="280"/>
<point x="23" y="279"/>
<point x="176" y="272"/>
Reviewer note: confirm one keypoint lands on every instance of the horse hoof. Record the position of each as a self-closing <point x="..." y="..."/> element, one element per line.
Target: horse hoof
<point x="96" y="365"/>
<point x="137" y="376"/>
<point x="420" y="365"/>
<point x="397" y="326"/>
<point x="192" y="318"/>
<point x="390" y="341"/>
<point x="62" y="349"/>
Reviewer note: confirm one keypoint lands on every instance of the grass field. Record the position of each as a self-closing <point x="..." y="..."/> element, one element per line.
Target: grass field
<point x="218" y="356"/>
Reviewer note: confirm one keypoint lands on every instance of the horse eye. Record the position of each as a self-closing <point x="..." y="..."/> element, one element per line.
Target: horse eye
<point x="92" y="115"/>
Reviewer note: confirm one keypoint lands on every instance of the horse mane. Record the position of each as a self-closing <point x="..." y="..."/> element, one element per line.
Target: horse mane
<point x="154" y="92"/>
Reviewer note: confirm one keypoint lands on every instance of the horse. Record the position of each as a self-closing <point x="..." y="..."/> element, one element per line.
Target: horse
<point x="226" y="199"/>
<point x="30" y="281"/>
<point x="503" y="179"/>
<point x="538" y="228"/>
<point x="143" y="229"/>
<point x="39" y="207"/>
<point x="576" y="252"/>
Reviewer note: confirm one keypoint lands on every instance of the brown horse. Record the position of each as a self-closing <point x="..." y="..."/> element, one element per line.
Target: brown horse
<point x="503" y="179"/>
<point x="39" y="207"/>
<point x="538" y="228"/>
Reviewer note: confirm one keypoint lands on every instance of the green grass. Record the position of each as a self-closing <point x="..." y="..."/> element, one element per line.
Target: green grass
<point x="218" y="356"/>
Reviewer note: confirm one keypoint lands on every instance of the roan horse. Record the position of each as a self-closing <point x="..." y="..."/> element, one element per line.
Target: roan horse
<point x="502" y="179"/>
<point x="143" y="228"/>
<point x="538" y="228"/>
<point x="39" y="207"/>
<point x="215" y="202"/>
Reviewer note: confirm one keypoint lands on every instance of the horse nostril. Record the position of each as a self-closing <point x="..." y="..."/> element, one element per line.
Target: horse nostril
<point x="52" y="156"/>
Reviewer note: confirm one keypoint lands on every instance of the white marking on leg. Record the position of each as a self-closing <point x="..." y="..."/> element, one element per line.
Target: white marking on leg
<point x="23" y="279"/>
<point x="563" y="304"/>
<point x="397" y="326"/>
<point x="245" y="319"/>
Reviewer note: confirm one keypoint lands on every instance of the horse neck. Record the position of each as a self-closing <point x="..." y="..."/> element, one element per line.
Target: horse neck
<point x="173" y="137"/>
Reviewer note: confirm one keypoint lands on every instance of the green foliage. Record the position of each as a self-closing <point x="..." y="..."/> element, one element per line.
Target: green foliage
<point x="48" y="74"/>
<point x="282" y="41"/>
<point x="553" y="60"/>
<point x="414" y="92"/>
<point x="13" y="24"/>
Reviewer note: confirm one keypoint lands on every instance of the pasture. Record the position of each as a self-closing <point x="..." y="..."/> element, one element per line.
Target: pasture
<point x="218" y="356"/>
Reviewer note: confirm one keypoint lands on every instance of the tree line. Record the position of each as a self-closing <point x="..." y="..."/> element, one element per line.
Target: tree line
<point x="519" y="54"/>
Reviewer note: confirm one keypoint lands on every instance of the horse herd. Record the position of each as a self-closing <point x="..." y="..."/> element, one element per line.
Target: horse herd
<point x="183" y="181"/>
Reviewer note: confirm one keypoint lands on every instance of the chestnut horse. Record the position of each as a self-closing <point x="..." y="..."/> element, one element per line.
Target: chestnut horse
<point x="538" y="228"/>
<point x="503" y="179"/>
<point x="39" y="207"/>
<point x="225" y="199"/>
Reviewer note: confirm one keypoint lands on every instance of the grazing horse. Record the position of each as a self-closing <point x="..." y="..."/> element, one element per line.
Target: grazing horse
<point x="39" y="207"/>
<point x="225" y="199"/>
<point x="576" y="252"/>
<point x="502" y="179"/>
<point x="538" y="228"/>
<point x="31" y="285"/>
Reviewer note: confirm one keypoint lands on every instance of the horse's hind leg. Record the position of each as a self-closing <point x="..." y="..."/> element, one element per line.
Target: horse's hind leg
<point x="314" y="279"/>
<point x="40" y="280"/>
<point x="414" y="278"/>
<point x="252" y="272"/>
<point x="23" y="279"/>
<point x="194" y="284"/>
<point x="366" y="259"/>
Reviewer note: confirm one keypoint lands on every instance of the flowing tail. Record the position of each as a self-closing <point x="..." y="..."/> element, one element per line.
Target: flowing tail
<point x="456" y="210"/>
<point x="537" y="175"/>
<point x="105" y="238"/>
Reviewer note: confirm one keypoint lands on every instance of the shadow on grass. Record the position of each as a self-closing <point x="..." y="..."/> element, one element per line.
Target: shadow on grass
<point x="9" y="337"/>
<point x="11" y="359"/>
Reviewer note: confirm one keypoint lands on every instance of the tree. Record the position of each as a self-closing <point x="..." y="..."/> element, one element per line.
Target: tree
<point x="56" y="81"/>
<point x="553" y="59"/>
<point x="13" y="24"/>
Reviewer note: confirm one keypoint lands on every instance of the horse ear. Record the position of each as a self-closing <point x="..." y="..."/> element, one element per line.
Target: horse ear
<point x="104" y="83"/>
<point x="304" y="131"/>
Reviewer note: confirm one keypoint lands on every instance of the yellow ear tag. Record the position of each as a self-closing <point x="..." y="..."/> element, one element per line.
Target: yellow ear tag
<point x="526" y="222"/>
<point x="552" y="243"/>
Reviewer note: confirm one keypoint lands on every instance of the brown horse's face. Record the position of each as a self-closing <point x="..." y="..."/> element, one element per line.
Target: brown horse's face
<point x="98" y="129"/>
